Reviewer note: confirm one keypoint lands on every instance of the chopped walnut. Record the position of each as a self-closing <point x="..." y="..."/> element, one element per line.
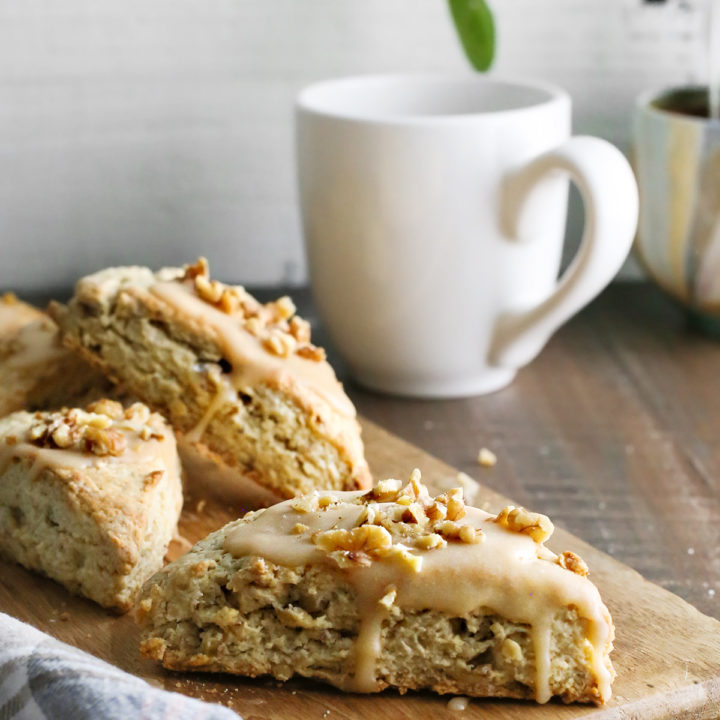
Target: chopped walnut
<point x="254" y="326"/>
<point x="199" y="268"/>
<point x="455" y="504"/>
<point x="210" y="290"/>
<point x="408" y="559"/>
<point x="105" y="441"/>
<point x="388" y="598"/>
<point x="520" y="520"/>
<point x="486" y="458"/>
<point x="306" y="503"/>
<point x="300" y="329"/>
<point x="394" y="522"/>
<point x="283" y="308"/>
<point x="138" y="413"/>
<point x="469" y="534"/>
<point x="110" y="408"/>
<point x="570" y="561"/>
<point x="102" y="429"/>
<point x="274" y="324"/>
<point x="311" y="352"/>
<point x="431" y="541"/>
<point x="229" y="302"/>
<point x="385" y="491"/>
<point x="368" y="538"/>
<point x="279" y="343"/>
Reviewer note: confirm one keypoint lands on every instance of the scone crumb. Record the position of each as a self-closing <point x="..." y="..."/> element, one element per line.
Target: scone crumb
<point x="153" y="648"/>
<point x="486" y="457"/>
<point x="518" y="519"/>
<point x="199" y="659"/>
<point x="299" y="528"/>
<point x="10" y="298"/>
<point x="201" y="567"/>
<point x="570" y="561"/>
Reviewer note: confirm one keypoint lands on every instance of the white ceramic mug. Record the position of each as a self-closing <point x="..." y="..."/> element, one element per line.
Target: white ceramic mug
<point x="434" y="211"/>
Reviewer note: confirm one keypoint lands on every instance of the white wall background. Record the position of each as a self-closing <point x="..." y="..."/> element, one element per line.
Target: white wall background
<point x="148" y="131"/>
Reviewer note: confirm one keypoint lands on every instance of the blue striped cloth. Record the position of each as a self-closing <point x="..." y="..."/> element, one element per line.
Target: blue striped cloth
<point x="42" y="678"/>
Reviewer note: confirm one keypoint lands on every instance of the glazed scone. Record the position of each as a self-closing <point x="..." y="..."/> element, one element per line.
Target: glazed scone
<point x="90" y="498"/>
<point x="36" y="371"/>
<point x="239" y="381"/>
<point x="390" y="587"/>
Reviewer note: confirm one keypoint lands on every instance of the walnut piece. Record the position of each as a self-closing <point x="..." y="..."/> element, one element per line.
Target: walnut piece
<point x="570" y="561"/>
<point x="486" y="458"/>
<point x="102" y="429"/>
<point x="274" y="324"/>
<point x="520" y="520"/>
<point x="394" y="522"/>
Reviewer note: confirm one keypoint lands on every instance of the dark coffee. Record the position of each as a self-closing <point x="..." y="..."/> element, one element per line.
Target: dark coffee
<point x="685" y="101"/>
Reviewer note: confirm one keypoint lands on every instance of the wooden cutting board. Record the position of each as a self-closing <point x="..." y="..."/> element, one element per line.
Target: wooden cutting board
<point x="667" y="654"/>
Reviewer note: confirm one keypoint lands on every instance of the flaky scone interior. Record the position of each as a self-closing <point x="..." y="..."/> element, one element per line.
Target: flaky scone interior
<point x="240" y="381"/>
<point x="389" y="587"/>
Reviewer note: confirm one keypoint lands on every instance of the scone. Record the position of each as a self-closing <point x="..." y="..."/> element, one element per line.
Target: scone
<point x="390" y="587"/>
<point x="239" y="381"/>
<point x="36" y="371"/>
<point x="90" y="498"/>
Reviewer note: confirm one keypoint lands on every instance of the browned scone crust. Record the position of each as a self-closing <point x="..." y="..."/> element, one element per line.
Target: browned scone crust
<point x="89" y="498"/>
<point x="262" y="416"/>
<point x="218" y="609"/>
<point x="36" y="371"/>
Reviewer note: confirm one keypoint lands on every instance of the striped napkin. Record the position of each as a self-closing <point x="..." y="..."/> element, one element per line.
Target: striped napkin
<point x="42" y="678"/>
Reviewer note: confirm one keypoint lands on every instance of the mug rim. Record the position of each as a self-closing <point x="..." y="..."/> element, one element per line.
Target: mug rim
<point x="307" y="102"/>
<point x="644" y="102"/>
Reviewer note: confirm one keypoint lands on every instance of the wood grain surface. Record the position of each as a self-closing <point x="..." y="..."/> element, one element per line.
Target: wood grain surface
<point x="667" y="653"/>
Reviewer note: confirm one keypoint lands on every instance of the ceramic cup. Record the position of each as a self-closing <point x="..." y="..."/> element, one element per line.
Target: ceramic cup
<point x="434" y="211"/>
<point x="677" y="159"/>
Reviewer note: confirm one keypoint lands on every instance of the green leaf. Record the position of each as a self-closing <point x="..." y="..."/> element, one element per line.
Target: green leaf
<point x="476" y="28"/>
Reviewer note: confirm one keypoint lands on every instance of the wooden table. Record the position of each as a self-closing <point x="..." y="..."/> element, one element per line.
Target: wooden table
<point x="613" y="431"/>
<point x="610" y="431"/>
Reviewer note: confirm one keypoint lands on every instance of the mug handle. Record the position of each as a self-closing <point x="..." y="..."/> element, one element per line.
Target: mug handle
<point x="610" y="196"/>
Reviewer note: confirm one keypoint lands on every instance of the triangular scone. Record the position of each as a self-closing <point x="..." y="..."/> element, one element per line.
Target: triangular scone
<point x="89" y="498"/>
<point x="36" y="371"/>
<point x="240" y="381"/>
<point x="385" y="588"/>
